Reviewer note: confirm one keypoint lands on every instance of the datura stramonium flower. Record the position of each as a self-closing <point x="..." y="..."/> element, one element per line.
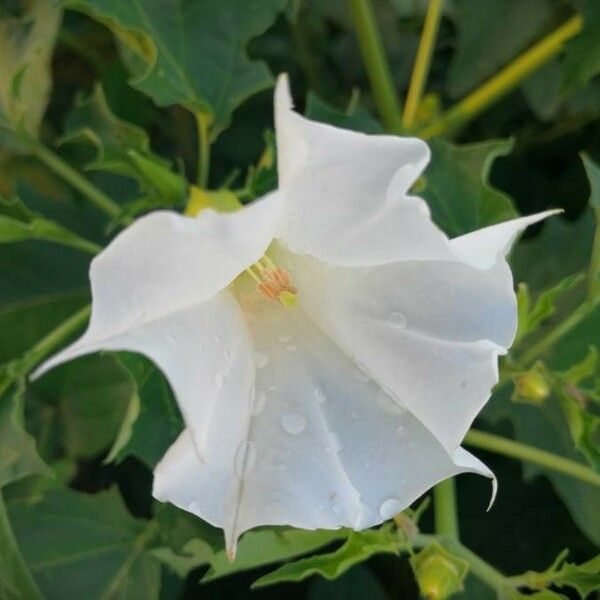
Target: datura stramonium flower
<point x="328" y="345"/>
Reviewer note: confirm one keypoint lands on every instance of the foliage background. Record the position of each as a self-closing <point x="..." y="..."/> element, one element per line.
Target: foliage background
<point x="116" y="94"/>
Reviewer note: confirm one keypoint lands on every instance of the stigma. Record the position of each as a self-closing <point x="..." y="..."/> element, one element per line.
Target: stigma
<point x="273" y="282"/>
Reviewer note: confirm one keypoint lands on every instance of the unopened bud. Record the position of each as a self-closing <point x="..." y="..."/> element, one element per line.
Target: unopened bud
<point x="531" y="386"/>
<point x="438" y="573"/>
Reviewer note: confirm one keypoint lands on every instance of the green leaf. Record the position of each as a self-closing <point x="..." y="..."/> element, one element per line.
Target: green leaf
<point x="582" y="59"/>
<point x="457" y="188"/>
<point x="358" y="583"/>
<point x="353" y="117"/>
<point x="83" y="546"/>
<point x="492" y="33"/>
<point x="359" y="547"/>
<point x="585" y="578"/>
<point x="18" y="223"/>
<point x="593" y="174"/>
<point x="27" y="39"/>
<point x="80" y="406"/>
<point x="192" y="53"/>
<point x="262" y="547"/>
<point x="158" y="422"/>
<point x="531" y="317"/>
<point x="124" y="149"/>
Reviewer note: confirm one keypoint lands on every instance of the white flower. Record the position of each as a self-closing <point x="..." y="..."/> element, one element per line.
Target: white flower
<point x="342" y="409"/>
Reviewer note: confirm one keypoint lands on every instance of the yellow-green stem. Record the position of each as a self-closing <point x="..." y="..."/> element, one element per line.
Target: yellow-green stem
<point x="536" y="456"/>
<point x="422" y="62"/>
<point x="74" y="178"/>
<point x="203" y="149"/>
<point x="504" y="81"/>
<point x="378" y="69"/>
<point x="444" y="508"/>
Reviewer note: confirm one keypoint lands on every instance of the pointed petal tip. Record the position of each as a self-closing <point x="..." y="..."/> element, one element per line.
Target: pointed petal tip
<point x="231" y="554"/>
<point x="494" y="493"/>
<point x="283" y="95"/>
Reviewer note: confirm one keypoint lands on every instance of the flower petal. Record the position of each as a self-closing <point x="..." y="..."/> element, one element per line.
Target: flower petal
<point x="205" y="353"/>
<point x="346" y="192"/>
<point x="325" y="447"/>
<point x="483" y="248"/>
<point x="430" y="332"/>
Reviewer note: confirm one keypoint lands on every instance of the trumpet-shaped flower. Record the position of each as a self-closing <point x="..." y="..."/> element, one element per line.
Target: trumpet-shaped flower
<point x="328" y="345"/>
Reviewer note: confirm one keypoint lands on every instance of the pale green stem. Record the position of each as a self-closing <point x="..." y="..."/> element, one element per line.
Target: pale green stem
<point x="536" y="456"/>
<point x="504" y="81"/>
<point x="74" y="178"/>
<point x="20" y="583"/>
<point x="481" y="569"/>
<point x="561" y="329"/>
<point x="422" y="62"/>
<point x="594" y="272"/>
<point x="444" y="508"/>
<point x="203" y="149"/>
<point x="378" y="69"/>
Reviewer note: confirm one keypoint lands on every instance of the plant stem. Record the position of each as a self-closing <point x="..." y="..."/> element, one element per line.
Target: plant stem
<point x="536" y="456"/>
<point x="444" y="507"/>
<point x="20" y="583"/>
<point x="594" y="271"/>
<point x="378" y="69"/>
<point x="422" y="62"/>
<point x="203" y="149"/>
<point x="561" y="329"/>
<point x="479" y="567"/>
<point x="80" y="183"/>
<point x="505" y="80"/>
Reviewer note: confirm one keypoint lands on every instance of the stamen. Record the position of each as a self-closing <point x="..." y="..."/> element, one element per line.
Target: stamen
<point x="274" y="283"/>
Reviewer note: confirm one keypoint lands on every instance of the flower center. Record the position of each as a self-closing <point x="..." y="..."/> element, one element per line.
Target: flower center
<point x="273" y="282"/>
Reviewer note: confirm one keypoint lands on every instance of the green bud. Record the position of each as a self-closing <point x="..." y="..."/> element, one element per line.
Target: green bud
<point x="438" y="573"/>
<point x="531" y="386"/>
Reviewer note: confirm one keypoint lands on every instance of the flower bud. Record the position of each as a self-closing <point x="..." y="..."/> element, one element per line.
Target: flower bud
<point x="531" y="386"/>
<point x="438" y="573"/>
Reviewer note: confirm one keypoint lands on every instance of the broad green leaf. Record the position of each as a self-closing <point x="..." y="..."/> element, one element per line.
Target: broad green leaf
<point x="492" y="33"/>
<point x="359" y="547"/>
<point x="191" y="53"/>
<point x="27" y="37"/>
<point x="585" y="578"/>
<point x="158" y="422"/>
<point x="593" y="173"/>
<point x="457" y="188"/>
<point x="532" y="316"/>
<point x="123" y="148"/>
<point x="353" y="117"/>
<point x="86" y="546"/>
<point x="582" y="60"/>
<point x="270" y="545"/>
<point x="18" y="224"/>
<point x="81" y="405"/>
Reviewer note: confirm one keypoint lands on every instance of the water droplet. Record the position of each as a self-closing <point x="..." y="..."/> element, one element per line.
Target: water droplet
<point x="389" y="508"/>
<point x="140" y="314"/>
<point x="397" y="320"/>
<point x="400" y="428"/>
<point x="354" y="414"/>
<point x="226" y="353"/>
<point x="284" y="339"/>
<point x="320" y="396"/>
<point x="258" y="403"/>
<point x="219" y="379"/>
<point x="335" y="442"/>
<point x="261" y="360"/>
<point x="282" y="467"/>
<point x="293" y="422"/>
<point x="170" y="338"/>
<point x="360" y="375"/>
<point x="291" y="347"/>
<point x="336" y="508"/>
<point x="244" y="460"/>
<point x="364" y="518"/>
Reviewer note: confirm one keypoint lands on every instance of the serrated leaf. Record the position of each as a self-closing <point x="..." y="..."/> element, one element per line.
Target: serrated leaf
<point x="492" y="33"/>
<point x="359" y="547"/>
<point x="158" y="422"/>
<point x="270" y="545"/>
<point x="532" y="316"/>
<point x="27" y="39"/>
<point x="18" y="224"/>
<point x="191" y="53"/>
<point x="457" y="189"/>
<point x="86" y="546"/>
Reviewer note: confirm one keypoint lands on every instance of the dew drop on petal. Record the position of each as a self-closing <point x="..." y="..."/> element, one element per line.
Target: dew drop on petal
<point x="244" y="460"/>
<point x="389" y="508"/>
<point x="258" y="403"/>
<point x="335" y="507"/>
<point x="170" y="338"/>
<point x="320" y="396"/>
<point x="219" y="379"/>
<point x="360" y="375"/>
<point x="293" y="422"/>
<point x="364" y="518"/>
<point x="261" y="360"/>
<point x="397" y="320"/>
<point x="335" y="442"/>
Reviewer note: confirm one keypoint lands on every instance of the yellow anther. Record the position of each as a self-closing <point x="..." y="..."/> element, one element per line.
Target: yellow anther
<point x="273" y="282"/>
